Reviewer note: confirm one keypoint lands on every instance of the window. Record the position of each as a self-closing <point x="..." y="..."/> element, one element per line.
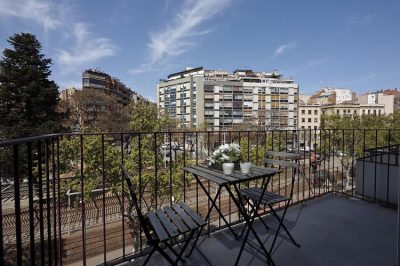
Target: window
<point x="309" y="120"/>
<point x="309" y="127"/>
<point x="303" y="112"/>
<point x="315" y="120"/>
<point x="303" y="120"/>
<point x="315" y="112"/>
<point x="227" y="89"/>
<point x="209" y="105"/>
<point x="309" y="112"/>
<point x="315" y="127"/>
<point x="337" y="111"/>
<point x="302" y="127"/>
<point x="208" y="88"/>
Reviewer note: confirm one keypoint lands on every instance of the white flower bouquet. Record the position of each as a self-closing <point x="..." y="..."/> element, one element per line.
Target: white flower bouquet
<point x="226" y="153"/>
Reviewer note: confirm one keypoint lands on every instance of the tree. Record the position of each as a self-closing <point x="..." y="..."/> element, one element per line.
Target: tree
<point x="351" y="136"/>
<point x="28" y="98"/>
<point x="144" y="117"/>
<point x="93" y="169"/>
<point x="94" y="110"/>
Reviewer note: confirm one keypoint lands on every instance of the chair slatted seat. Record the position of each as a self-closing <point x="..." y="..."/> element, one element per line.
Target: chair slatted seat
<point x="268" y="197"/>
<point x="255" y="195"/>
<point x="164" y="226"/>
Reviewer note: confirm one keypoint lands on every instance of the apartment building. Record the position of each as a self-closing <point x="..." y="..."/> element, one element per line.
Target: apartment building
<point x="328" y="95"/>
<point x="98" y="80"/>
<point x="309" y="116"/>
<point x="219" y="100"/>
<point x="389" y="98"/>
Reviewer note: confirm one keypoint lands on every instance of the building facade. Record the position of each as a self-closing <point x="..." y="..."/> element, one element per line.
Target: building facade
<point x="330" y="95"/>
<point x="219" y="100"/>
<point x="98" y="80"/>
<point x="309" y="116"/>
<point x="344" y="110"/>
<point x="101" y="101"/>
<point x="389" y="98"/>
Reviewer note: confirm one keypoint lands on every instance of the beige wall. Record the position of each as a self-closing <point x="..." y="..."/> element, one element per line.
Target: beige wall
<point x="309" y="116"/>
<point x="353" y="109"/>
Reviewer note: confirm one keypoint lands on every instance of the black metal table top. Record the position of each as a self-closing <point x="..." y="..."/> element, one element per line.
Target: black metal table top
<point x="220" y="178"/>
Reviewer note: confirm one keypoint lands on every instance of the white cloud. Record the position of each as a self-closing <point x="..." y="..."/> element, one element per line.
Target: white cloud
<point x="178" y="36"/>
<point x="311" y="64"/>
<point x="86" y="49"/>
<point x="359" y="80"/>
<point x="356" y="19"/>
<point x="314" y="63"/>
<point x="285" y="47"/>
<point x="42" y="12"/>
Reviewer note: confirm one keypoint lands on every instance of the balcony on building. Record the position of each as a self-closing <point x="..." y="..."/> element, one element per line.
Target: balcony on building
<point x="65" y="206"/>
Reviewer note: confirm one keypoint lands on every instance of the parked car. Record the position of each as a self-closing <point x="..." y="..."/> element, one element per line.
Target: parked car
<point x="306" y="149"/>
<point x="340" y="153"/>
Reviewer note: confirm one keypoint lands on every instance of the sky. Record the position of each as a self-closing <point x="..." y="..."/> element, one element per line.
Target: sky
<point x="344" y="44"/>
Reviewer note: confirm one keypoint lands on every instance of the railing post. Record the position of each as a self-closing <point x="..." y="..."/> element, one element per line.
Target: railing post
<point x="17" y="206"/>
<point x="398" y="216"/>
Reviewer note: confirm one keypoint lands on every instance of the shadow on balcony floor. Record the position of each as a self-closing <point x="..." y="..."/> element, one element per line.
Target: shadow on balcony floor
<point x="332" y="230"/>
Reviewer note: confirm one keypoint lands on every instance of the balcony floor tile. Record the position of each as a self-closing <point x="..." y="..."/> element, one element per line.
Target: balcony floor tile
<point x="332" y="230"/>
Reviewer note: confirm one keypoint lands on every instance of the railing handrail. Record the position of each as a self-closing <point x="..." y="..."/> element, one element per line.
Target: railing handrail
<point x="382" y="148"/>
<point x="9" y="142"/>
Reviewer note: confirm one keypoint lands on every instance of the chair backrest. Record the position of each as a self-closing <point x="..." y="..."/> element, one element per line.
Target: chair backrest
<point x="284" y="160"/>
<point x="135" y="202"/>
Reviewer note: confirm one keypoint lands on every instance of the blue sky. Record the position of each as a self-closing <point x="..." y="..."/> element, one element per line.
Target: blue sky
<point x="351" y="44"/>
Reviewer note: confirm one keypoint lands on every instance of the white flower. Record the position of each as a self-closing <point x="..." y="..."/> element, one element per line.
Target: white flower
<point x="226" y="153"/>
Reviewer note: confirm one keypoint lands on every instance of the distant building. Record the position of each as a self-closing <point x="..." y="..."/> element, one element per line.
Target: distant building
<point x="218" y="99"/>
<point x="98" y="80"/>
<point x="68" y="95"/>
<point x="389" y="98"/>
<point x="330" y="95"/>
<point x="304" y="99"/>
<point x="309" y="116"/>
<point x="100" y="98"/>
<point x="344" y="110"/>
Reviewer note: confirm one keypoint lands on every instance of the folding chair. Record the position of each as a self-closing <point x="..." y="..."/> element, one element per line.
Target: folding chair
<point x="164" y="226"/>
<point x="252" y="195"/>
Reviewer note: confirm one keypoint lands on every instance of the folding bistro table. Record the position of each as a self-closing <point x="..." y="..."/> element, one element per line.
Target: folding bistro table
<point x="227" y="181"/>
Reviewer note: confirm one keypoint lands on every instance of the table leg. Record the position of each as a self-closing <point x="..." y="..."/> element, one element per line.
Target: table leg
<point x="209" y="210"/>
<point x="249" y="224"/>
<point x="213" y="204"/>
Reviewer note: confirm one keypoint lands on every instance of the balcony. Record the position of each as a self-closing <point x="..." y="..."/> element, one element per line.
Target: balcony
<point x="62" y="199"/>
<point x="332" y="230"/>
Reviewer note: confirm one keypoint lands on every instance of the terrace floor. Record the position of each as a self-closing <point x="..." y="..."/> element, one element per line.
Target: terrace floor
<point x="332" y="230"/>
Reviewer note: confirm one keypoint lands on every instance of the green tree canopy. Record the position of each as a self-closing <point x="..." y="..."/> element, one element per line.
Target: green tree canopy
<point x="28" y="98"/>
<point x="144" y="117"/>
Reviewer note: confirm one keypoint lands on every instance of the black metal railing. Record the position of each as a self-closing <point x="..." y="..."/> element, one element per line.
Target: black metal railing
<point x="63" y="200"/>
<point x="377" y="175"/>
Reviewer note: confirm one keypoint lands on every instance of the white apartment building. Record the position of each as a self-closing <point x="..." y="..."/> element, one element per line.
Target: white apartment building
<point x="218" y="99"/>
